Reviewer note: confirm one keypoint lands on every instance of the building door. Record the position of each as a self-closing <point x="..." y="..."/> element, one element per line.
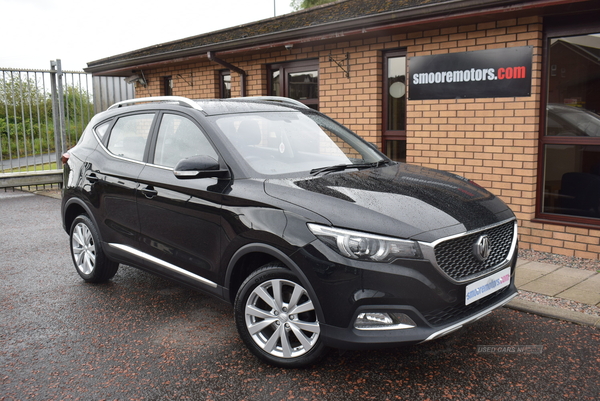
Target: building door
<point x="298" y="80"/>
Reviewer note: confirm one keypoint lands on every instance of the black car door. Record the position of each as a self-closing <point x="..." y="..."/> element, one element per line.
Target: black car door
<point x="112" y="173"/>
<point x="180" y="218"/>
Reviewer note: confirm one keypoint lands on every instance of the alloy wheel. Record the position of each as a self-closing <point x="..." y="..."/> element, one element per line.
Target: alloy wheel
<point x="84" y="248"/>
<point x="281" y="318"/>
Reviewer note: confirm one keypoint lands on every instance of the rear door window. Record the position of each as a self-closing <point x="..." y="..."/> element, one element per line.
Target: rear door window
<point x="129" y="135"/>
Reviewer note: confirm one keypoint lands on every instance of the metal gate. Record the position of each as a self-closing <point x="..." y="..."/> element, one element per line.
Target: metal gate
<point x="44" y="112"/>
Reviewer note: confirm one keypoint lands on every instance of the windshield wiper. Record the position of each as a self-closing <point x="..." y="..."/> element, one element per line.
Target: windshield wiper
<point x="342" y="167"/>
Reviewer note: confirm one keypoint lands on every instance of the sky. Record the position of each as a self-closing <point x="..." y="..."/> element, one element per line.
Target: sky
<point x="34" y="32"/>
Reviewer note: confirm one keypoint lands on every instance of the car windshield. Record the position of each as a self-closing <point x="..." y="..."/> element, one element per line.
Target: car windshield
<point x="283" y="143"/>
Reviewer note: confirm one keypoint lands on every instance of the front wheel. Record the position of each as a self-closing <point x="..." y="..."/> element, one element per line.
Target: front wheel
<point x="89" y="259"/>
<point x="277" y="319"/>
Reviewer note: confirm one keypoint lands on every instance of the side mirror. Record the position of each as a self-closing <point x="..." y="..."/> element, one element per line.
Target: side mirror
<point x="199" y="167"/>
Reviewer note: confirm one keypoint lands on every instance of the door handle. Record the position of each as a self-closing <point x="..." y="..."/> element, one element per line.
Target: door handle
<point x="91" y="177"/>
<point x="149" y="192"/>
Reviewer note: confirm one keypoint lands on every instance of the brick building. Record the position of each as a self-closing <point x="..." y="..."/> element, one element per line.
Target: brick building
<point x="537" y="147"/>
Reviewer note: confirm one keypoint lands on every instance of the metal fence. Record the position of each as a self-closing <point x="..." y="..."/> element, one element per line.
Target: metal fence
<point x="44" y="112"/>
<point x="110" y="90"/>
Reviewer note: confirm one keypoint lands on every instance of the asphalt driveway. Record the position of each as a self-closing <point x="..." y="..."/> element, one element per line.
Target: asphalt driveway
<point x="140" y="337"/>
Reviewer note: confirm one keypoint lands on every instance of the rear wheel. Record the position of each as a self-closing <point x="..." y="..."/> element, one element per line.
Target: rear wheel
<point x="277" y="319"/>
<point x="89" y="259"/>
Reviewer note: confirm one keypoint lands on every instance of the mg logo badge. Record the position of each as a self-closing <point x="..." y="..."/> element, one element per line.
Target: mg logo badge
<point x="482" y="248"/>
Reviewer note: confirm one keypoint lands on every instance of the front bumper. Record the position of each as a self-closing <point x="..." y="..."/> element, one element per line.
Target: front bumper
<point x="352" y="338"/>
<point x="415" y="289"/>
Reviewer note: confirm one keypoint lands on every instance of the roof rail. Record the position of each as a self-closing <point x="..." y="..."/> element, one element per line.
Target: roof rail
<point x="279" y="99"/>
<point x="162" y="99"/>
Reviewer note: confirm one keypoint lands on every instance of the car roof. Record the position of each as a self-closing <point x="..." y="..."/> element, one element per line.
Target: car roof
<point x="213" y="106"/>
<point x="241" y="105"/>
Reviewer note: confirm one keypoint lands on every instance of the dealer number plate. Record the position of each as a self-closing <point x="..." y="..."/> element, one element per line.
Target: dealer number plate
<point x="487" y="285"/>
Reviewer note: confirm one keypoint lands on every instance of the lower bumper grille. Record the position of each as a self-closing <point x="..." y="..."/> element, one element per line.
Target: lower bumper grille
<point x="441" y="317"/>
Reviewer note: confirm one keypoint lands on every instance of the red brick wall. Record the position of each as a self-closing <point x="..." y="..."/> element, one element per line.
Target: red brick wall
<point x="491" y="141"/>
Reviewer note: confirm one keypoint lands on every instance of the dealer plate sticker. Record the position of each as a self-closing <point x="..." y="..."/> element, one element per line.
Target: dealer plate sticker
<point x="488" y="285"/>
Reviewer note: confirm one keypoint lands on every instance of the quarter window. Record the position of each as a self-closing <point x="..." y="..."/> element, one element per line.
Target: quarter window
<point x="101" y="130"/>
<point x="129" y="134"/>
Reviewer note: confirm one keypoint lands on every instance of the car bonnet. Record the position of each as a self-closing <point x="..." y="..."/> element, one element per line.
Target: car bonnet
<point x="400" y="200"/>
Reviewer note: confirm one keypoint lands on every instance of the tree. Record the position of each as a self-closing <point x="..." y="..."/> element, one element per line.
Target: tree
<point x="26" y="119"/>
<point x="25" y="111"/>
<point x="79" y="107"/>
<point x="304" y="4"/>
<point x="19" y="95"/>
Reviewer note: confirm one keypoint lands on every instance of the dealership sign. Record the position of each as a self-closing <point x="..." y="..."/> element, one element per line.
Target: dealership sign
<point x="478" y="74"/>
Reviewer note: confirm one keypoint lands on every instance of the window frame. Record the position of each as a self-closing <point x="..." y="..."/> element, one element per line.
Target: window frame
<point x="158" y="119"/>
<point x="291" y="67"/>
<point x="167" y="85"/>
<point x="556" y="28"/>
<point x="391" y="135"/>
<point x="105" y="141"/>
<point x="222" y="87"/>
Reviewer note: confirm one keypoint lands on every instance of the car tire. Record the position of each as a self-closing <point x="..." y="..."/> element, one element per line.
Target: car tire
<point x="277" y="319"/>
<point x="88" y="257"/>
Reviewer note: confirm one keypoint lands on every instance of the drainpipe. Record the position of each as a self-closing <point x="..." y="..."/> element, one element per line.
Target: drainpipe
<point x="242" y="73"/>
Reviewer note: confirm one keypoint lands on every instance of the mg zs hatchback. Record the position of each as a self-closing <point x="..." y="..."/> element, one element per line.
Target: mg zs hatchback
<point x="316" y="238"/>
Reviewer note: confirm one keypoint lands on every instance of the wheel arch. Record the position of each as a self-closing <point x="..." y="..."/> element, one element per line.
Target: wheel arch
<point x="253" y="256"/>
<point x="73" y="208"/>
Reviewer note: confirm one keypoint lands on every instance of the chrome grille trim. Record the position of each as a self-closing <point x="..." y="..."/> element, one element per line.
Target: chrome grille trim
<point x="428" y="249"/>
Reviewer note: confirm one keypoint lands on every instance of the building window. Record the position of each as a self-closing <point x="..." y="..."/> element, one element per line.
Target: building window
<point x="225" y="84"/>
<point x="570" y="140"/>
<point x="167" y="86"/>
<point x="394" y="105"/>
<point x="298" y="80"/>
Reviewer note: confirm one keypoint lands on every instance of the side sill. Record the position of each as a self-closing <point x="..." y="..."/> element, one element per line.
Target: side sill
<point x="164" y="264"/>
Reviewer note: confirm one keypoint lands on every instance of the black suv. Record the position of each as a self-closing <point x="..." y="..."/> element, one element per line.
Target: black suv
<point x="316" y="238"/>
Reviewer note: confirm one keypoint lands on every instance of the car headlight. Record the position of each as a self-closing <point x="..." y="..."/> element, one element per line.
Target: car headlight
<point x="363" y="246"/>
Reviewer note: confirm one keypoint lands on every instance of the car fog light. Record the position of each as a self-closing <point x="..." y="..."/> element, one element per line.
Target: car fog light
<point x="383" y="321"/>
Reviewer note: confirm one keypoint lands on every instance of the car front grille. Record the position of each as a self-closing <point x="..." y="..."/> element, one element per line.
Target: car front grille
<point x="457" y="259"/>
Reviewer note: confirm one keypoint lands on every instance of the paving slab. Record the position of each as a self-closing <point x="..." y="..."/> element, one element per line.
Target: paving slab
<point x="528" y="271"/>
<point x="544" y="268"/>
<point x="587" y="291"/>
<point x="524" y="276"/>
<point x="557" y="281"/>
<point x="521" y="262"/>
